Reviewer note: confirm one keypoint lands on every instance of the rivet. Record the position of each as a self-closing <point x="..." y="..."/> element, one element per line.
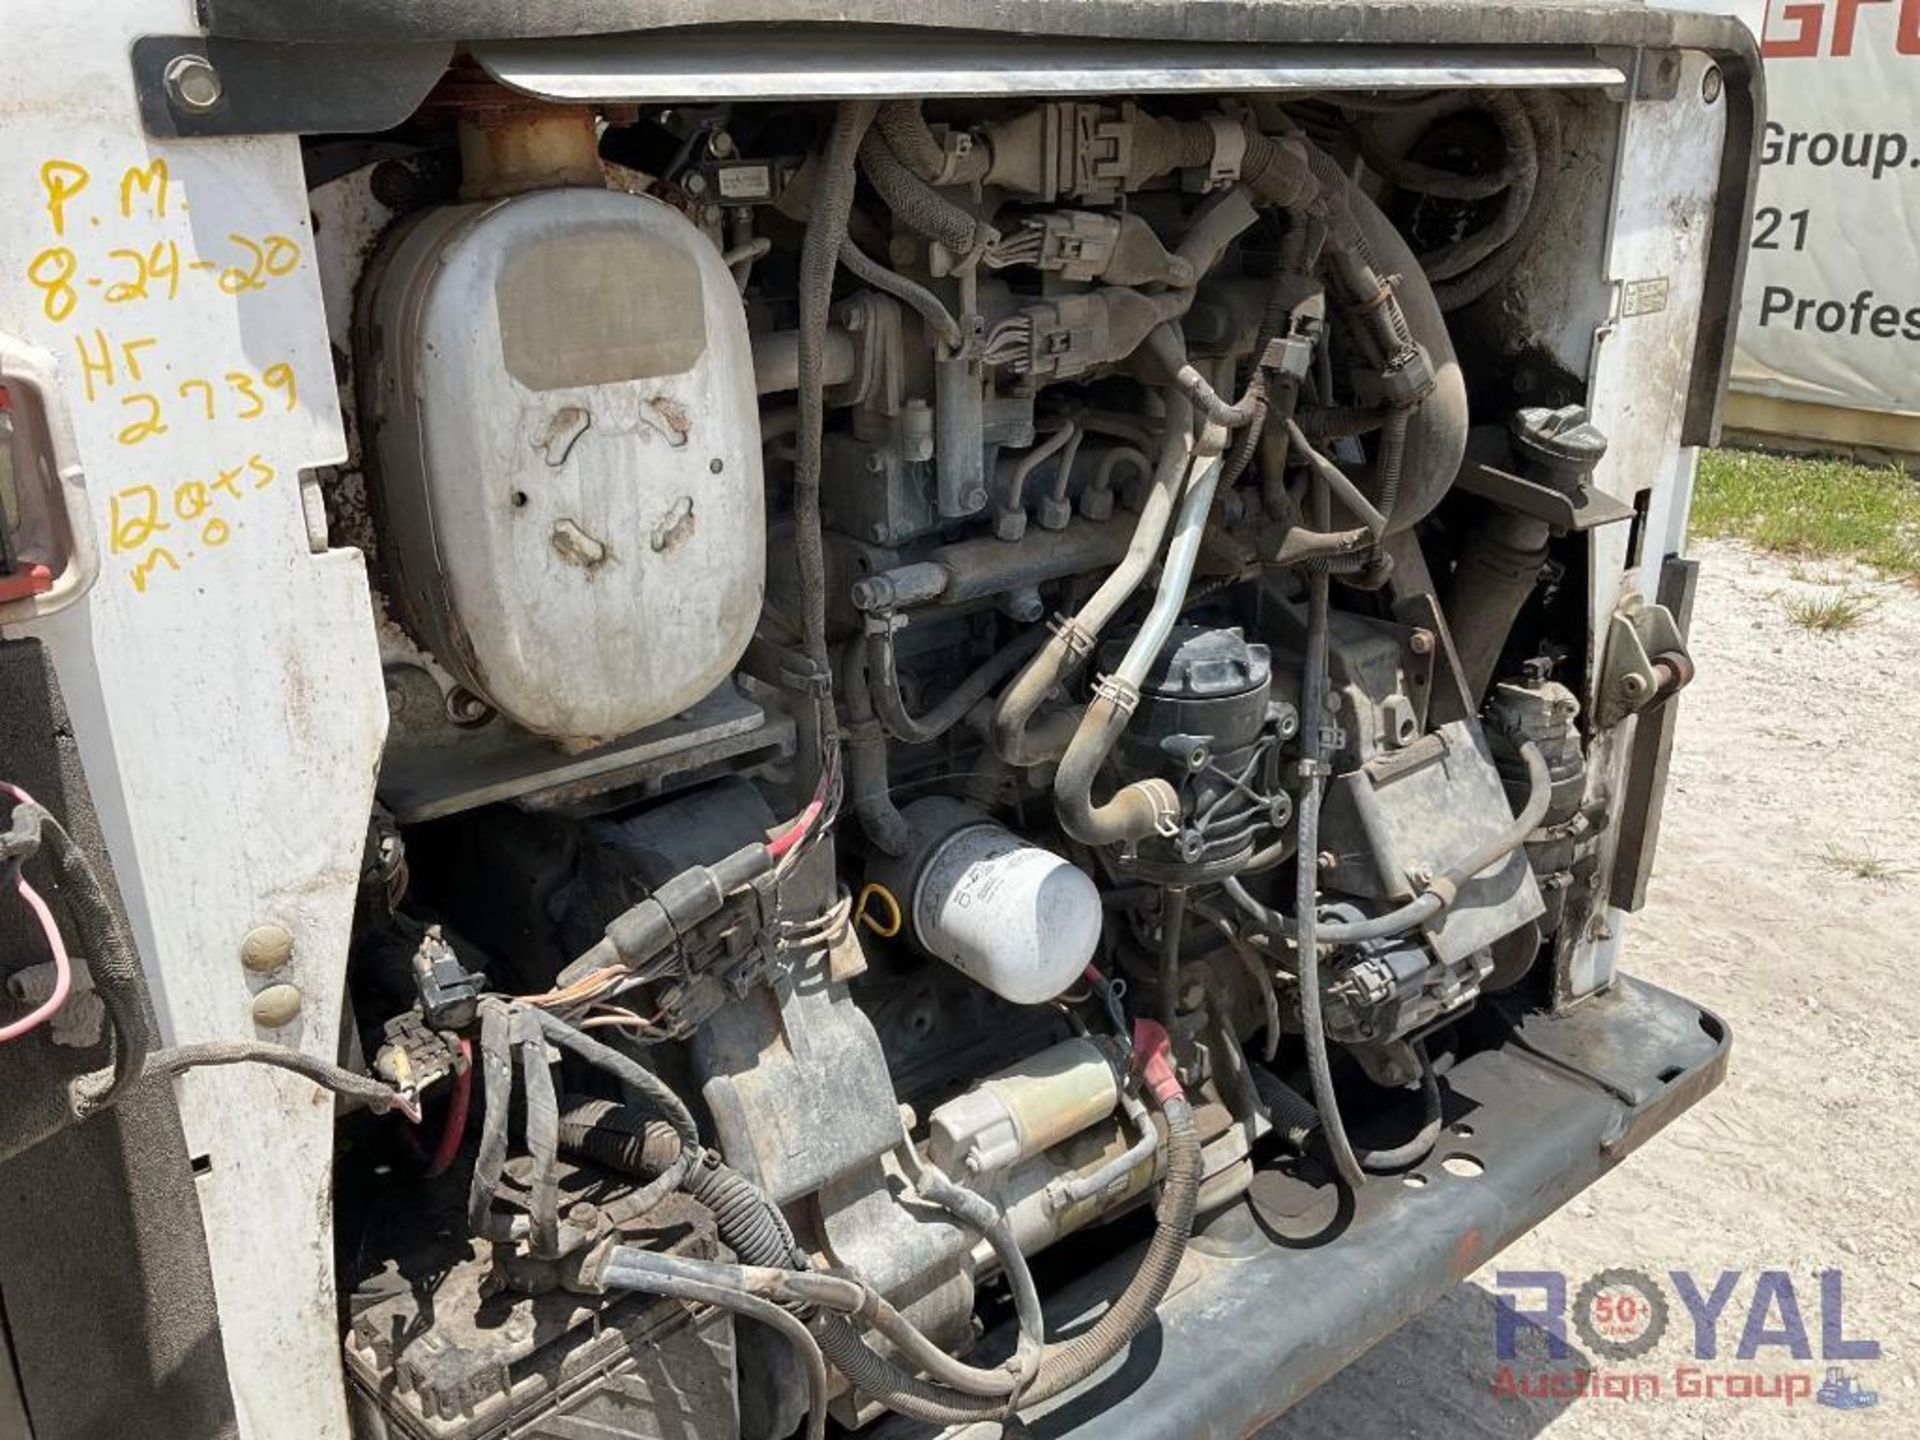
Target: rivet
<point x="266" y="948"/>
<point x="276" y="1006"/>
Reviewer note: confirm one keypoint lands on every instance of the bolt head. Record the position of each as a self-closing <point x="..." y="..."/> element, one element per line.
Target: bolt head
<point x="466" y="708"/>
<point x="266" y="948"/>
<point x="192" y="82"/>
<point x="1421" y="642"/>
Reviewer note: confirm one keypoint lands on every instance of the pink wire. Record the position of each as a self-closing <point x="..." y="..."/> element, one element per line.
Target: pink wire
<point x="62" y="966"/>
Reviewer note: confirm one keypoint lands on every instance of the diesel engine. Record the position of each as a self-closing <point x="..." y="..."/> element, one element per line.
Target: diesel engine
<point x="1020" y="715"/>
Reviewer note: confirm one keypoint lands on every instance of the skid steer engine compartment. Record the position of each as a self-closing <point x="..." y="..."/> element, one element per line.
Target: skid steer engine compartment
<point x="1025" y="675"/>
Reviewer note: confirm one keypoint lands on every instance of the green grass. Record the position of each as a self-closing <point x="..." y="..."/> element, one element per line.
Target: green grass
<point x="1811" y="508"/>
<point x="1862" y="865"/>
<point x="1829" y="614"/>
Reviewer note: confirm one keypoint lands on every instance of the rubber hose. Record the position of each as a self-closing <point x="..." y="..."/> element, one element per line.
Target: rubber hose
<point x="1441" y="891"/>
<point x="620" y="1138"/>
<point x="916" y="204"/>
<point x="869" y="785"/>
<point x="1544" y="113"/>
<point x="1399" y="1157"/>
<point x="1074" y="640"/>
<point x="1293" y="1117"/>
<point x="1140" y="807"/>
<point x="909" y="138"/>
<point x="939" y="319"/>
<point x="1455" y="259"/>
<point x="1437" y="432"/>
<point x="883" y="683"/>
<point x="624" y="1271"/>
<point x="1066" y="1363"/>
<point x="819" y="255"/>
<point x="1306" y="866"/>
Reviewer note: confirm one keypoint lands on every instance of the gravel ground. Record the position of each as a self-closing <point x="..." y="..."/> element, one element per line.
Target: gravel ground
<point x="1787" y="898"/>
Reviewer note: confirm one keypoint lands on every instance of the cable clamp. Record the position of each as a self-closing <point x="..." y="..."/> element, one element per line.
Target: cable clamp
<point x="1229" y="150"/>
<point x="1071" y="633"/>
<point x="1117" y="693"/>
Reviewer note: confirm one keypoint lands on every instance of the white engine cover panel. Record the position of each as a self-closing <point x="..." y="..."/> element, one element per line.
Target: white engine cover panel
<point x="568" y="456"/>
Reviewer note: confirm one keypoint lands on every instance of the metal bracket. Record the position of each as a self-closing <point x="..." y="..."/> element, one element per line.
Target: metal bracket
<point x="1585" y="509"/>
<point x="190" y="86"/>
<point x="1646" y="661"/>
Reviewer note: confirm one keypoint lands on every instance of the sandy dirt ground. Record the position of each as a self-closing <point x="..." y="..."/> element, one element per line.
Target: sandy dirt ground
<point x="1795" y="749"/>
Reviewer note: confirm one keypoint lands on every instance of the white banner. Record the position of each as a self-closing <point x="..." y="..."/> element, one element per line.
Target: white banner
<point x="1832" y="304"/>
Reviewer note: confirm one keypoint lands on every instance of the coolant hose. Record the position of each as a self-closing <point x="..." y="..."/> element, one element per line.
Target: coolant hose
<point x="1522" y="167"/>
<point x="1362" y="246"/>
<point x="1072" y="641"/>
<point x="1544" y="114"/>
<point x="1148" y="806"/>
